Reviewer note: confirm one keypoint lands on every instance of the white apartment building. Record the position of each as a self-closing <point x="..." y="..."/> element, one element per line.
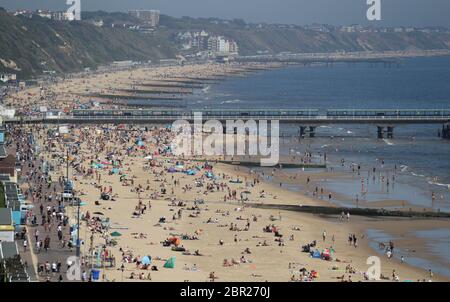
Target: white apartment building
<point x="150" y="17"/>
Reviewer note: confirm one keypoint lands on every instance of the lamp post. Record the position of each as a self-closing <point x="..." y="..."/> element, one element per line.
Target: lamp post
<point x="78" y="231"/>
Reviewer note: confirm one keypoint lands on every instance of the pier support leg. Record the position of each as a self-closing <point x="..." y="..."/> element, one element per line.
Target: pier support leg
<point x="445" y="133"/>
<point x="302" y="131"/>
<point x="390" y="132"/>
<point x="312" y="130"/>
<point x="380" y="131"/>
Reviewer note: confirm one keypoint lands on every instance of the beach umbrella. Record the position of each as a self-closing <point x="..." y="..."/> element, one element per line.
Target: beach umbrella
<point x="146" y="260"/>
<point x="170" y="263"/>
<point x="116" y="234"/>
<point x="98" y="213"/>
<point x="247" y="192"/>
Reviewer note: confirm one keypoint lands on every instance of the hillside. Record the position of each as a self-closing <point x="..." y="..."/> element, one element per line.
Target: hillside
<point x="29" y="47"/>
<point x="271" y="38"/>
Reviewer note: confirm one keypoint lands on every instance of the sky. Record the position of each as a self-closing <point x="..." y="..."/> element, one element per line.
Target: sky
<point x="336" y="12"/>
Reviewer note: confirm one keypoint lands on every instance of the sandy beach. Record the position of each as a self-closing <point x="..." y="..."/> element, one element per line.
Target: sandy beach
<point x="148" y="201"/>
<point x="204" y="219"/>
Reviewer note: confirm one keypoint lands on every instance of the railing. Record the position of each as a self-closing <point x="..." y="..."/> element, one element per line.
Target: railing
<point x="238" y="117"/>
<point x="218" y="116"/>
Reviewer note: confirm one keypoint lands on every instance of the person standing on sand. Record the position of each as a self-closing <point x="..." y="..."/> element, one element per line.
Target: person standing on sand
<point x="324" y="236"/>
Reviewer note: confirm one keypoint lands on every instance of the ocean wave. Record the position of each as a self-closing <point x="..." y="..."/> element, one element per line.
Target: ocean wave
<point x="403" y="168"/>
<point x="231" y="102"/>
<point x="418" y="175"/>
<point x="388" y="142"/>
<point x="439" y="184"/>
<point x="206" y="89"/>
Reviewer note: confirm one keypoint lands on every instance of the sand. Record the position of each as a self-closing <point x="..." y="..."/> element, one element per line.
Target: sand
<point x="270" y="263"/>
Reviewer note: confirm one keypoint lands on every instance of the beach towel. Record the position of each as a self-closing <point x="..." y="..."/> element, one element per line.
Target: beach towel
<point x="236" y="181"/>
<point x="170" y="263"/>
<point x="190" y="172"/>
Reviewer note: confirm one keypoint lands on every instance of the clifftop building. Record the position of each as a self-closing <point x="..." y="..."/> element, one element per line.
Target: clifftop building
<point x="151" y="17"/>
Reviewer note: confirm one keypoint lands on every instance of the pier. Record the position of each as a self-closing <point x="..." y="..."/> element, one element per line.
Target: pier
<point x="322" y="58"/>
<point x="385" y="120"/>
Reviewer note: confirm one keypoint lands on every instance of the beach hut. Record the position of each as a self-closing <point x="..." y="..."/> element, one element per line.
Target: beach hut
<point x="170" y="263"/>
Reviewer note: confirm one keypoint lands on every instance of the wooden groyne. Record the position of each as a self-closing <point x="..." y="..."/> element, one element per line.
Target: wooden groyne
<point x="151" y="104"/>
<point x="156" y="91"/>
<point x="170" y="85"/>
<point x="257" y="163"/>
<point x="324" y="210"/>
<point x="135" y="97"/>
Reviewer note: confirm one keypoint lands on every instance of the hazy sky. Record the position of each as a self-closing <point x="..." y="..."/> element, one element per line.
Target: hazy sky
<point x="338" y="12"/>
